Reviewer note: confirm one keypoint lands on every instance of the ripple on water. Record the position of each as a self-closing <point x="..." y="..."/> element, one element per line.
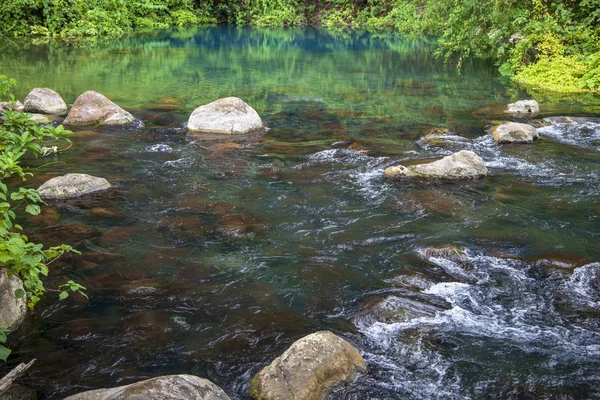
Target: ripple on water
<point x="502" y="304"/>
<point x="581" y="132"/>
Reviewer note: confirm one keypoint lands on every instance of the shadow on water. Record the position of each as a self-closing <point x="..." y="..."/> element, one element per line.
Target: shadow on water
<point x="212" y="256"/>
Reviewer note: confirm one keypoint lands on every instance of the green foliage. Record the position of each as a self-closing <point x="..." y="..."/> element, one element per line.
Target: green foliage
<point x="558" y="74"/>
<point x="591" y="77"/>
<point x="20" y="136"/>
<point x="4" y="352"/>
<point x="518" y="34"/>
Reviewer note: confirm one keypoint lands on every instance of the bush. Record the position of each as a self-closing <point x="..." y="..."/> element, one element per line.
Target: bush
<point x="19" y="136"/>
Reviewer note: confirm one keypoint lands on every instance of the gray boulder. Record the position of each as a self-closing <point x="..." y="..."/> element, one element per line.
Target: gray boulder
<point x="44" y="101"/>
<point x="308" y="370"/>
<point x="230" y="115"/>
<point x="524" y="107"/>
<point x="7" y="105"/>
<point x="171" y="387"/>
<point x="12" y="309"/>
<point x="462" y="165"/>
<point x="514" y="132"/>
<point x="72" y="185"/>
<point x="92" y="108"/>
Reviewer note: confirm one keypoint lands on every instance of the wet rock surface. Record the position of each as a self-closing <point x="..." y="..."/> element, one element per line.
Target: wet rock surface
<point x="308" y="369"/>
<point x="514" y="132"/>
<point x="93" y="108"/>
<point x="12" y="309"/>
<point x="175" y="387"/>
<point x="230" y="115"/>
<point x="44" y="101"/>
<point x="462" y="165"/>
<point x="72" y="185"/>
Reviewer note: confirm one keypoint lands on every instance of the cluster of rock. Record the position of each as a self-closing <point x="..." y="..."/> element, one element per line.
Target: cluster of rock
<point x="313" y="365"/>
<point x="308" y="370"/>
<point x="466" y="164"/>
<point x="224" y="116"/>
<point x="229" y="115"/>
<point x="91" y="108"/>
<point x="514" y="132"/>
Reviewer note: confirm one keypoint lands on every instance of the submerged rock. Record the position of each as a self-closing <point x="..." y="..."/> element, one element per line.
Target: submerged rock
<point x="442" y="137"/>
<point x="230" y="115"/>
<point x="308" y="370"/>
<point x="72" y="185"/>
<point x="12" y="309"/>
<point x="447" y="252"/>
<point x="524" y="107"/>
<point x="513" y="132"/>
<point x="93" y="108"/>
<point x="45" y="101"/>
<point x="431" y="201"/>
<point x="43" y="119"/>
<point x="72" y="234"/>
<point x="175" y="387"/>
<point x="393" y="309"/>
<point x="462" y="165"/>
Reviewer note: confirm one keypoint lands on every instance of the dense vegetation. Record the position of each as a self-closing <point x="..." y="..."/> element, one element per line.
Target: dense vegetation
<point x="21" y="137"/>
<point x="553" y="44"/>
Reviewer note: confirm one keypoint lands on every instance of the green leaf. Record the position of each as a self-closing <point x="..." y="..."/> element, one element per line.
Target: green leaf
<point x="63" y="295"/>
<point x="33" y="209"/>
<point x="4" y="353"/>
<point x="19" y="293"/>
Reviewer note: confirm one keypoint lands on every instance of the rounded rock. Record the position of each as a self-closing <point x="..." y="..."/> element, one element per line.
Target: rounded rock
<point x="308" y="370"/>
<point x="462" y="165"/>
<point x="72" y="185"/>
<point x="514" y="132"/>
<point x="230" y="115"/>
<point x="12" y="309"/>
<point x="170" y="387"/>
<point x="93" y="108"/>
<point x="44" y="101"/>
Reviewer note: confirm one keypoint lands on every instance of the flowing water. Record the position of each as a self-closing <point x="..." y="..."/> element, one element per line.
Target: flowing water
<point x="211" y="258"/>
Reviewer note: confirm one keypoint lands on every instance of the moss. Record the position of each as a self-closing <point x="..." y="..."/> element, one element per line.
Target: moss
<point x="559" y="74"/>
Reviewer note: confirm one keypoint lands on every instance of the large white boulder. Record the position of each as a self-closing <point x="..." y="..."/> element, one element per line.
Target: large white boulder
<point x="93" y="108"/>
<point x="514" y="132"/>
<point x="12" y="309"/>
<point x="308" y="370"/>
<point x="44" y="101"/>
<point x="72" y="185"/>
<point x="171" y="387"/>
<point x="462" y="165"/>
<point x="230" y="115"/>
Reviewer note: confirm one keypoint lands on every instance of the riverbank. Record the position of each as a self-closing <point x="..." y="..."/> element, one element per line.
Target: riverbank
<point x="528" y="41"/>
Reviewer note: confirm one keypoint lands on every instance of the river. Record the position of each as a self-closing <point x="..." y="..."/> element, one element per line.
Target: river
<point x="212" y="258"/>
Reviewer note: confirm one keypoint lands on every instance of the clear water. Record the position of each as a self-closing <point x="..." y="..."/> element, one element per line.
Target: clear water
<point x="212" y="259"/>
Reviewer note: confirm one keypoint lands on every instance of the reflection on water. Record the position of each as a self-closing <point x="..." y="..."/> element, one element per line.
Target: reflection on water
<point x="212" y="257"/>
